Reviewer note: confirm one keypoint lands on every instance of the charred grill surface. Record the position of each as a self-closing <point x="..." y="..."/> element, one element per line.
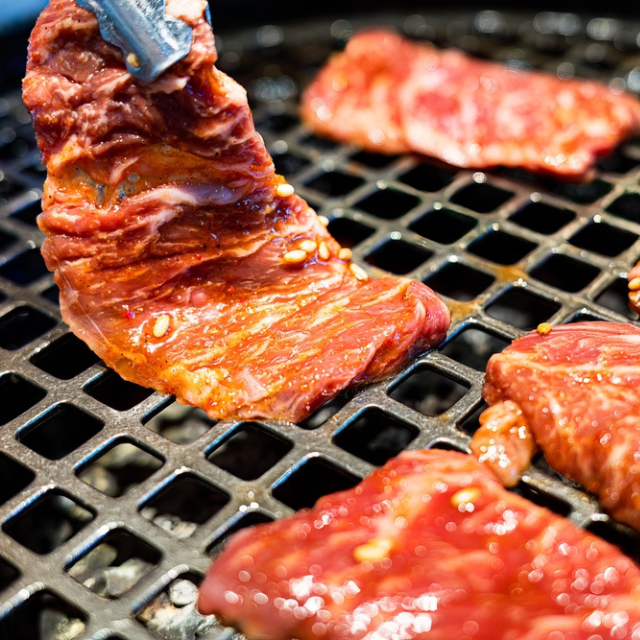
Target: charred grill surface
<point x="123" y="495"/>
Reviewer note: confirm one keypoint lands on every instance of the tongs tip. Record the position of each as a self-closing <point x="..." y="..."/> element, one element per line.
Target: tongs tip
<point x="150" y="39"/>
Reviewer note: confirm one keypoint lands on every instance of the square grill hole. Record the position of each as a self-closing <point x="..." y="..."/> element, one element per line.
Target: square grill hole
<point x="626" y="206"/>
<point x="429" y="391"/>
<point x="540" y="462"/>
<point x="446" y="445"/>
<point x="25" y="132"/>
<point x="625" y="538"/>
<point x="326" y="411"/>
<point x="522" y="308"/>
<point x="585" y="316"/>
<point x="472" y="422"/>
<point x="603" y="239"/>
<point x="19" y="148"/>
<point x="564" y="272"/>
<point x="322" y="144"/>
<point x="37" y="171"/>
<point x="119" y="394"/>
<point x="277" y="123"/>
<point x="375" y="436"/>
<point x="59" y="431"/>
<point x="599" y="63"/>
<point x="388" y="204"/>
<point x="48" y="522"/>
<point x="582" y="193"/>
<point x="482" y="198"/>
<point x="373" y="160"/>
<point x="316" y="205"/>
<point x="179" y="423"/>
<point x="8" y="574"/>
<point x="443" y="225"/>
<point x="617" y="162"/>
<point x="16" y="396"/>
<point x="459" y="282"/>
<point x="22" y="326"/>
<point x="251" y="519"/>
<point x="8" y="188"/>
<point x="334" y="184"/>
<point x="542" y="217"/>
<point x="349" y="233"/>
<point x="249" y="451"/>
<point x="288" y="163"/>
<point x="183" y="504"/>
<point x="616" y="298"/>
<point x="314" y="478"/>
<point x="29" y="214"/>
<point x="501" y="247"/>
<point x="43" y="616"/>
<point x="6" y="239"/>
<point x="65" y="358"/>
<point x="115" y="564"/>
<point x="7" y="133"/>
<point x="171" y="614"/>
<point x="119" y="469"/>
<point x="398" y="256"/>
<point x="25" y="268"/>
<point x="52" y="294"/>
<point x="473" y="348"/>
<point x="427" y="177"/>
<point x="13" y="477"/>
<point x="544" y="499"/>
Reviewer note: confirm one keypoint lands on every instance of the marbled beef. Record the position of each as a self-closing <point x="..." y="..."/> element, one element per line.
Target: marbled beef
<point x="391" y="95"/>
<point x="431" y="546"/>
<point x="574" y="392"/>
<point x="182" y="259"/>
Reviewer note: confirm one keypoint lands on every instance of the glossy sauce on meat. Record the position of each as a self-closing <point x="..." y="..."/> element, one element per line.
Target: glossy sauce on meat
<point x="576" y="392"/>
<point x="182" y="259"/>
<point x="392" y="95"/>
<point x="430" y="546"/>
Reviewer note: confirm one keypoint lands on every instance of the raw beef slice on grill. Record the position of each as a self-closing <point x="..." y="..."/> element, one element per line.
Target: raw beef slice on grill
<point x="429" y="546"/>
<point x="391" y="95"/>
<point x="182" y="259"/>
<point x="574" y="393"/>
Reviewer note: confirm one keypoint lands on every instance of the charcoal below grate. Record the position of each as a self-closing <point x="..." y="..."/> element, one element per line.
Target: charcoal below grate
<point x="115" y="565"/>
<point x="44" y="616"/>
<point x="95" y="571"/>
<point x="172" y="614"/>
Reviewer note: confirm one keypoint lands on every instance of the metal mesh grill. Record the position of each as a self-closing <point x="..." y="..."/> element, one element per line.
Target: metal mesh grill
<point x="97" y="472"/>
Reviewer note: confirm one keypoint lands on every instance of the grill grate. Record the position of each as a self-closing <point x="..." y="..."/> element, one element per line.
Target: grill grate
<point x="113" y="498"/>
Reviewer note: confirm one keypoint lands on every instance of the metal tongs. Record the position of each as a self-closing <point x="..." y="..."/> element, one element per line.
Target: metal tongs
<point x="151" y="40"/>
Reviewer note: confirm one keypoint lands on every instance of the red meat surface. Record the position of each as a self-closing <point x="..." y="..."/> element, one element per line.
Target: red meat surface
<point x="171" y="236"/>
<point x="576" y="392"/>
<point x="392" y="95"/>
<point x="429" y="546"/>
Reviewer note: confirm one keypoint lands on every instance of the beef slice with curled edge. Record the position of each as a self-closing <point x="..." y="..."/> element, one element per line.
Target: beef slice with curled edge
<point x="182" y="259"/>
<point x="392" y="95"/>
<point x="574" y="393"/>
<point x="430" y="546"/>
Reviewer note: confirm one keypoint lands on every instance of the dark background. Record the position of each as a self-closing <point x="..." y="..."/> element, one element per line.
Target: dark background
<point x="237" y="13"/>
<point x="232" y="14"/>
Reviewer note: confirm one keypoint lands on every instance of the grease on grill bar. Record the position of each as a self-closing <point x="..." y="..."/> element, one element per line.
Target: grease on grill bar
<point x="123" y="494"/>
